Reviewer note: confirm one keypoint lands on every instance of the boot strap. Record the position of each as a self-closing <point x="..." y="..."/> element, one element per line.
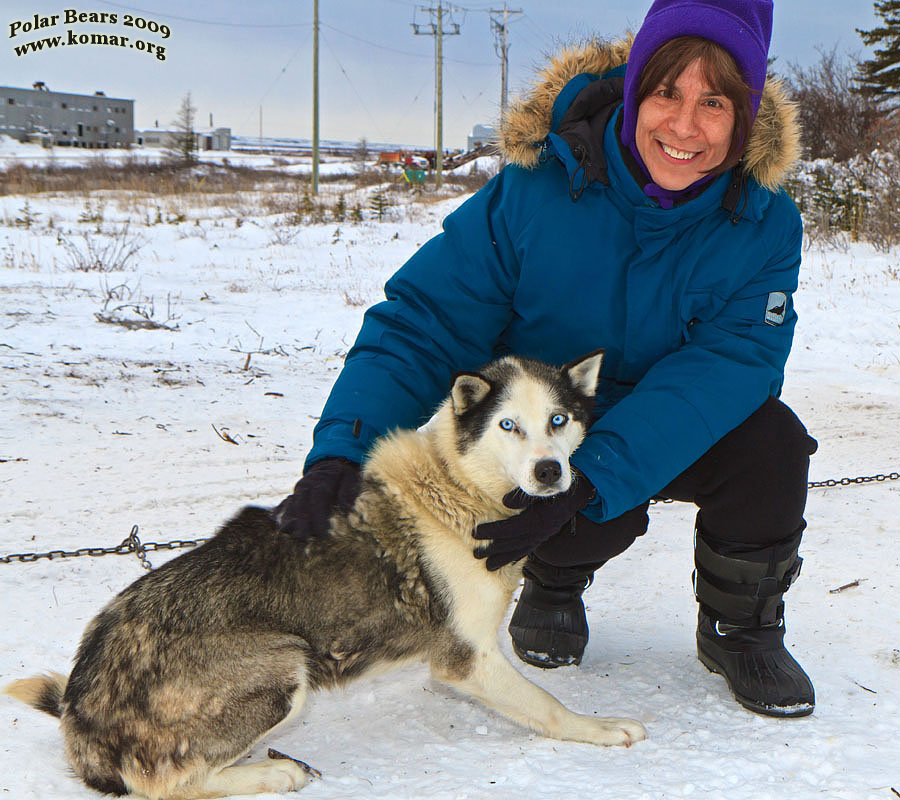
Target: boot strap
<point x="745" y="588"/>
<point x="766" y="587"/>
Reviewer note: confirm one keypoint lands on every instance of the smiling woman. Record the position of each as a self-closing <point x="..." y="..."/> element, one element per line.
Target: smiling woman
<point x="694" y="112"/>
<point x="684" y="130"/>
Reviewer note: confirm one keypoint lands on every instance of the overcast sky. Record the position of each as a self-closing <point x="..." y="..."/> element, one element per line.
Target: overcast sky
<point x="376" y="76"/>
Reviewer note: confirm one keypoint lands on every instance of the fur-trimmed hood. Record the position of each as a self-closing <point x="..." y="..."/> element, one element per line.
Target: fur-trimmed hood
<point x="772" y="149"/>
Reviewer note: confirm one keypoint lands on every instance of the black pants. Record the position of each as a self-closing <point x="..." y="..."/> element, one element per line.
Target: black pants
<point x="750" y="488"/>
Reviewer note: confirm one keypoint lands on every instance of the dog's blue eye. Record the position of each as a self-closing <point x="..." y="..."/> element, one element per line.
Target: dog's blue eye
<point x="507" y="424"/>
<point x="558" y="419"/>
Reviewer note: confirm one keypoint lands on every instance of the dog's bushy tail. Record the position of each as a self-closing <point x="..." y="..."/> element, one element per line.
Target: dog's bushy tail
<point x="43" y="692"/>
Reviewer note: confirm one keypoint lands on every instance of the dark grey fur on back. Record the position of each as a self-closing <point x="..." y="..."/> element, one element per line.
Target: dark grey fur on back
<point x="245" y="610"/>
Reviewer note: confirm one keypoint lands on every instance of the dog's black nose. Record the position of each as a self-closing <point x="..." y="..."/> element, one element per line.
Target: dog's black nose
<point x="547" y="471"/>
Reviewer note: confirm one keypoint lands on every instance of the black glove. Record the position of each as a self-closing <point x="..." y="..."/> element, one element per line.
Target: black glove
<point x="516" y="537"/>
<point x="327" y="485"/>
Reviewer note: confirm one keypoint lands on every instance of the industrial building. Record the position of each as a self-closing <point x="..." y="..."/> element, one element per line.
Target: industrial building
<point x="205" y="138"/>
<point x="64" y="119"/>
<point x="482" y="135"/>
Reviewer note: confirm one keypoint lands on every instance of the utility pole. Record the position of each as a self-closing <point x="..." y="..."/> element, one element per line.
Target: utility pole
<point x="315" y="136"/>
<point x="501" y="47"/>
<point x="437" y="29"/>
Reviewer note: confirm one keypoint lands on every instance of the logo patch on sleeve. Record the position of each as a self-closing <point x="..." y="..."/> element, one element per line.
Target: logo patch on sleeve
<point x="776" y="308"/>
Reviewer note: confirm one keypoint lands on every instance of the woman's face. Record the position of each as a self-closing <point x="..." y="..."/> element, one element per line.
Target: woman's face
<point x="683" y="129"/>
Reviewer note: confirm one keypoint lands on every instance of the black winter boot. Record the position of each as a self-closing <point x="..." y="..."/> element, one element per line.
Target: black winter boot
<point x="760" y="672"/>
<point x="548" y="627"/>
<point x="740" y="630"/>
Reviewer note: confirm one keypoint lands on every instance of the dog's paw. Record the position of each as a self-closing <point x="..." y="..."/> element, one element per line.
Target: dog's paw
<point x="285" y="776"/>
<point x="276" y="755"/>
<point x="612" y="731"/>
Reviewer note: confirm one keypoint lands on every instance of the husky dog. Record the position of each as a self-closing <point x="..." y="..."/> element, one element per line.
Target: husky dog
<point x="188" y="667"/>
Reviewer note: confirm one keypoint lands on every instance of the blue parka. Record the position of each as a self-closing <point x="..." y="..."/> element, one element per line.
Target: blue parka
<point x="692" y="304"/>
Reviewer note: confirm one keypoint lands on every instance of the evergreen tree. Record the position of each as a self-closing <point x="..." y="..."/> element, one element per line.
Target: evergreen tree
<point x="881" y="75"/>
<point x="340" y="209"/>
<point x="379" y="204"/>
<point x="184" y="144"/>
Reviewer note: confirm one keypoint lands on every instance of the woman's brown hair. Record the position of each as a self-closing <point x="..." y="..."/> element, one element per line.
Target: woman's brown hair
<point x="720" y="71"/>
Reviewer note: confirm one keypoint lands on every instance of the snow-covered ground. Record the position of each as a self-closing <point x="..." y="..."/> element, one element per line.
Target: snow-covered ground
<point x="13" y="153"/>
<point x="105" y="427"/>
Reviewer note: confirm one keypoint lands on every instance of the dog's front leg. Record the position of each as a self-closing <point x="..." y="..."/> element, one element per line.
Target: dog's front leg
<point x="497" y="684"/>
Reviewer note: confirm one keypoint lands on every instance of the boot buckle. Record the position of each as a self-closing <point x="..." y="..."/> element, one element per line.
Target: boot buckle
<point x="768" y="587"/>
<point x="771" y="586"/>
<point x="793" y="573"/>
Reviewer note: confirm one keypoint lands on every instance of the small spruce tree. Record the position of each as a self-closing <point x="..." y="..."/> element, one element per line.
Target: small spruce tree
<point x="340" y="209"/>
<point x="379" y="205"/>
<point x="184" y="145"/>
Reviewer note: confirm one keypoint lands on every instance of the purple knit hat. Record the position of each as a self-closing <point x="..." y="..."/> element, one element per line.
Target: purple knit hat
<point x="742" y="27"/>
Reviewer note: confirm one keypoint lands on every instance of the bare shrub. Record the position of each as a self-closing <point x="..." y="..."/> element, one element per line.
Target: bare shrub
<point x="283" y="236"/>
<point x="838" y="119"/>
<point x="855" y="200"/>
<point x="131" y="309"/>
<point x="879" y="207"/>
<point x="354" y="298"/>
<point x="361" y="157"/>
<point x="848" y="189"/>
<point x="103" y="252"/>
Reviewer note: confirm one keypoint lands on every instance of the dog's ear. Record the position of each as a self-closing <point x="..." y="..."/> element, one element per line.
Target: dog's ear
<point x="468" y="389"/>
<point x="584" y="372"/>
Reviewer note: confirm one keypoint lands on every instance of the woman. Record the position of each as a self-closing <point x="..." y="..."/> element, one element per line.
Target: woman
<point x="641" y="214"/>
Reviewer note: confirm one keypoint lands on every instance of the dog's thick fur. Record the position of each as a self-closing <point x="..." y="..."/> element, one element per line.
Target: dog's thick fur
<point x="186" y="669"/>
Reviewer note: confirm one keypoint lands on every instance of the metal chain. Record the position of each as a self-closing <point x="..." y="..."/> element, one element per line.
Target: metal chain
<point x="892" y="476"/>
<point x="133" y="544"/>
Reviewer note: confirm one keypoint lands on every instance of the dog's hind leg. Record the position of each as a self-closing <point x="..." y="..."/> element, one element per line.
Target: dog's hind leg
<point x="202" y="778"/>
<point x="202" y="723"/>
<point x="496" y="683"/>
<point x="272" y="775"/>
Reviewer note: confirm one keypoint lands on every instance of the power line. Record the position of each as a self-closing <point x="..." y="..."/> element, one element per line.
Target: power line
<point x="358" y="95"/>
<point x="277" y="77"/>
<point x="546" y="40"/>
<point x="197" y="21"/>
<point x="402" y="118"/>
<point x="372" y="44"/>
<point x="402" y="52"/>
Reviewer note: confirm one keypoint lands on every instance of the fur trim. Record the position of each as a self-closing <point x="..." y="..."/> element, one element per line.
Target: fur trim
<point x="772" y="149"/>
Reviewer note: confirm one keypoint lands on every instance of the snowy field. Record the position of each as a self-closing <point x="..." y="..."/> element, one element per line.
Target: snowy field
<point x="13" y="153"/>
<point x="106" y="425"/>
